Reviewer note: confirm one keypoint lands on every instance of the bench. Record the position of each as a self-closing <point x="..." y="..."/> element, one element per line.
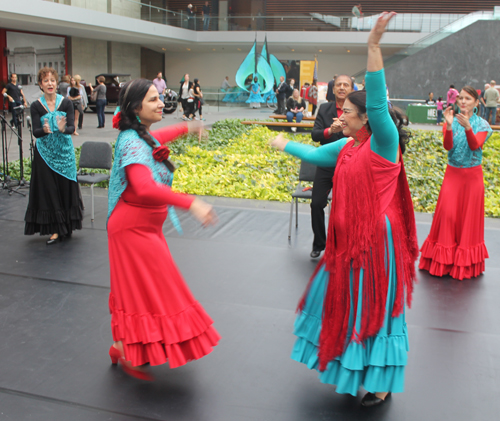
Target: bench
<point x="283" y="117"/>
<point x="280" y="124"/>
<point x="495" y="127"/>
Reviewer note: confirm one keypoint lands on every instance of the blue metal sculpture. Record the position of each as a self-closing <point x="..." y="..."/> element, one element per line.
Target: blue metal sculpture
<point x="266" y="67"/>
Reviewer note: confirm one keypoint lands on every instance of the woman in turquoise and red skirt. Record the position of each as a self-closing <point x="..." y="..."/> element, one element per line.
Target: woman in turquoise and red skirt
<point x="351" y="325"/>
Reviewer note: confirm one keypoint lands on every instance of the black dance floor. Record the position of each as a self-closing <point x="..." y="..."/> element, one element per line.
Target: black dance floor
<point x="55" y="333"/>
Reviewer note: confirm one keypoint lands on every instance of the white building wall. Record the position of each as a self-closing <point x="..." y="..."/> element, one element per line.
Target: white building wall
<point x="97" y="5"/>
<point x="126" y="58"/>
<point x="125" y="8"/>
<point x="89" y="57"/>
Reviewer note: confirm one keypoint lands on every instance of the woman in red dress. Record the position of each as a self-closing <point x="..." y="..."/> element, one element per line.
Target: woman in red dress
<point x="154" y="316"/>
<point x="455" y="245"/>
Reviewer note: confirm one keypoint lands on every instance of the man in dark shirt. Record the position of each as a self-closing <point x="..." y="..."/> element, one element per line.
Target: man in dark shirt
<point x="327" y="128"/>
<point x="14" y="93"/>
<point x="291" y="87"/>
<point x="190" y="16"/>
<point x="205" y="11"/>
<point x="281" y="91"/>
<point x="329" y="92"/>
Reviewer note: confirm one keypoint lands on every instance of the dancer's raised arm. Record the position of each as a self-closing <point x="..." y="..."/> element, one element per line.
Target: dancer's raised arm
<point x="385" y="138"/>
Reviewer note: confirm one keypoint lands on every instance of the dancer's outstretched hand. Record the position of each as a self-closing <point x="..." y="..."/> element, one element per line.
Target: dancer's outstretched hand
<point x="279" y="142"/>
<point x="380" y="27"/>
<point x="197" y="127"/>
<point x="203" y="212"/>
<point x="448" y="117"/>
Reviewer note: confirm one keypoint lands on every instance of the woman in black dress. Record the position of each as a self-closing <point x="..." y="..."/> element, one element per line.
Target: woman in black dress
<point x="75" y="96"/>
<point x="54" y="206"/>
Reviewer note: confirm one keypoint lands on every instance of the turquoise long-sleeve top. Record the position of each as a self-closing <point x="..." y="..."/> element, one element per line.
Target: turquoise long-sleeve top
<point x="385" y="136"/>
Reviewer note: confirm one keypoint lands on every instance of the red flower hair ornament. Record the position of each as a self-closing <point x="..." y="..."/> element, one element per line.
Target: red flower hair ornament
<point x="117" y="118"/>
<point x="161" y="153"/>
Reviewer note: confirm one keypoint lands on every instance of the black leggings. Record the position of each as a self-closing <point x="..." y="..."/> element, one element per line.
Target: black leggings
<point x="187" y="107"/>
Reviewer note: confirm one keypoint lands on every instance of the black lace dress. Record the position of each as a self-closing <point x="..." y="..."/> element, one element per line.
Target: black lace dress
<point x="54" y="203"/>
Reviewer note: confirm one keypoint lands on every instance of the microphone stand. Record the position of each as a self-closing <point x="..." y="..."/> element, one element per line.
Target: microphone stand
<point x="5" y="157"/>
<point x="20" y="124"/>
<point x="8" y="182"/>
<point x="32" y="138"/>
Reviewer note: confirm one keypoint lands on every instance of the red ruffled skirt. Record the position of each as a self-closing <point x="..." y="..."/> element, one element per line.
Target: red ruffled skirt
<point x="153" y="312"/>
<point x="455" y="245"/>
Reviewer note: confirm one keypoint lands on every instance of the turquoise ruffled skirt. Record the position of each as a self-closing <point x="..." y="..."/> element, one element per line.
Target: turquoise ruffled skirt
<point x="378" y="364"/>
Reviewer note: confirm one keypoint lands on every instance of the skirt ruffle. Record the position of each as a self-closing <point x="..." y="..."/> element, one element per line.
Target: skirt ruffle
<point x="54" y="206"/>
<point x="455" y="245"/>
<point x="48" y="222"/>
<point x="378" y="364"/>
<point x="459" y="262"/>
<point x="156" y="339"/>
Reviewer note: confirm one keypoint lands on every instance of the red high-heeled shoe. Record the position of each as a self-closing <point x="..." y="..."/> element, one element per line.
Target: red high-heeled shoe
<point x="114" y="354"/>
<point x="116" y="357"/>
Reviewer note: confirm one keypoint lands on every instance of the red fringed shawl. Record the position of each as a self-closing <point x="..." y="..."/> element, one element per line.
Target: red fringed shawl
<point x="357" y="239"/>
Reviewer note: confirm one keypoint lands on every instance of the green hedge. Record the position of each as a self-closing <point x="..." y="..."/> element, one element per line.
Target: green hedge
<point x="236" y="161"/>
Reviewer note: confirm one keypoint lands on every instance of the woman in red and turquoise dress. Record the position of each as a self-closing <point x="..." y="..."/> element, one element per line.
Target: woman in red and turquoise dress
<point x="455" y="245"/>
<point x="154" y="316"/>
<point x="351" y="323"/>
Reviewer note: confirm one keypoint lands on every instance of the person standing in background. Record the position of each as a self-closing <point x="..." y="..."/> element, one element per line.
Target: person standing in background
<point x="354" y="87"/>
<point x="491" y="100"/>
<point x="281" y="90"/>
<point x="62" y="89"/>
<point x="327" y="129"/>
<point x="198" y="99"/>
<point x="313" y="96"/>
<point x="14" y="93"/>
<point x="439" y="108"/>
<point x="255" y="97"/>
<point x="329" y="92"/>
<point x="75" y="97"/>
<point x="451" y="98"/>
<point x="357" y="12"/>
<point x="184" y="90"/>
<point x="482" y="104"/>
<point x="84" y="100"/>
<point x="291" y="87"/>
<point x="160" y="85"/>
<point x="225" y="84"/>
<point x="205" y="13"/>
<point x="190" y="16"/>
<point x="100" y="102"/>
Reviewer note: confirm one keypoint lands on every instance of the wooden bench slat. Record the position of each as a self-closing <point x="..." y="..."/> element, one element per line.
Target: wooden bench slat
<point x="283" y="117"/>
<point x="280" y="123"/>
